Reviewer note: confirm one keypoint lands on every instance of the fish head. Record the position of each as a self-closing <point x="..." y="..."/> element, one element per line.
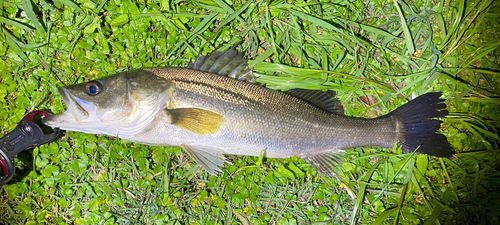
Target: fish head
<point x="120" y="104"/>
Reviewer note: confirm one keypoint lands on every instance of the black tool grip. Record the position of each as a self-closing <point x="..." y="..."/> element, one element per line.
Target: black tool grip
<point x="26" y="134"/>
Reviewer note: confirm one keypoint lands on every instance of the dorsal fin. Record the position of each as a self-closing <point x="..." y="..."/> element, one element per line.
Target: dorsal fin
<point x="226" y="63"/>
<point x="321" y="99"/>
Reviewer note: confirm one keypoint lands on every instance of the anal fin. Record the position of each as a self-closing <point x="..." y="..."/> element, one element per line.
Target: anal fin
<point x="326" y="162"/>
<point x="211" y="159"/>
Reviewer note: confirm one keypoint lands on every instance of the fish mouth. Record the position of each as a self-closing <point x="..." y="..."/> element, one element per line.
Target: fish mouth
<point x="78" y="111"/>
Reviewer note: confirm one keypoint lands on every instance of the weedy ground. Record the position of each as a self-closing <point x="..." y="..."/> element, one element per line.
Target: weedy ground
<point x="376" y="54"/>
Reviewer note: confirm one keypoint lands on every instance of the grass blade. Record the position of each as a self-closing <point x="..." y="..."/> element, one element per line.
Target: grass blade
<point x="482" y="52"/>
<point x="315" y="20"/>
<point x="406" y="31"/>
<point x="13" y="43"/>
<point x="361" y="193"/>
<point x="317" y="74"/>
<point x="381" y="218"/>
<point x="367" y="28"/>
<point x="456" y="24"/>
<point x="445" y="198"/>
<point x="28" y="9"/>
<point x="71" y="4"/>
<point x="14" y="23"/>
<point x="203" y="25"/>
<point x="235" y="14"/>
<point x="174" y="15"/>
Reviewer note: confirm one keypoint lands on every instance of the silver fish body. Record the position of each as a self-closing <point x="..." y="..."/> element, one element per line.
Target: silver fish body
<point x="211" y="115"/>
<point x="256" y="118"/>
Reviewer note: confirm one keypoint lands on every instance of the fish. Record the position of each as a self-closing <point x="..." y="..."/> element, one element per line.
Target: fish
<point x="215" y="107"/>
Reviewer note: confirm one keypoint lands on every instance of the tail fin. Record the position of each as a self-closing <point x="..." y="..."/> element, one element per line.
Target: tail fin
<point x="419" y="129"/>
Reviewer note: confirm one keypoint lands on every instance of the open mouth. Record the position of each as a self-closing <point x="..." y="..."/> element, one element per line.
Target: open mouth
<point x="76" y="107"/>
<point x="78" y="110"/>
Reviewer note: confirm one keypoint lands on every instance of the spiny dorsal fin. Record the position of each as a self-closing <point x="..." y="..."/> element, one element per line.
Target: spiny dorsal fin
<point x="327" y="161"/>
<point x="198" y="121"/>
<point x="321" y="99"/>
<point x="210" y="159"/>
<point x="226" y="63"/>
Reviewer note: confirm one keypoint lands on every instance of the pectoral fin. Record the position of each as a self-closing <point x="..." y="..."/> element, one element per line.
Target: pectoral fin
<point x="198" y="121"/>
<point x="327" y="161"/>
<point x="210" y="159"/>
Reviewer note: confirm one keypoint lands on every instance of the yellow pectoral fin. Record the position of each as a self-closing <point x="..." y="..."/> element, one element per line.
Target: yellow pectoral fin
<point x="198" y="121"/>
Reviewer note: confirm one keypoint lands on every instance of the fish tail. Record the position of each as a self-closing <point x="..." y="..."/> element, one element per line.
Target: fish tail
<point x="418" y="126"/>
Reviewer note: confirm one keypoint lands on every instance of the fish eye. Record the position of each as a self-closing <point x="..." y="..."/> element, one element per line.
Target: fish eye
<point x="92" y="88"/>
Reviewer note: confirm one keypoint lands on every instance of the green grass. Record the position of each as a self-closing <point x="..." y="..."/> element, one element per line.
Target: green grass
<point x="386" y="52"/>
